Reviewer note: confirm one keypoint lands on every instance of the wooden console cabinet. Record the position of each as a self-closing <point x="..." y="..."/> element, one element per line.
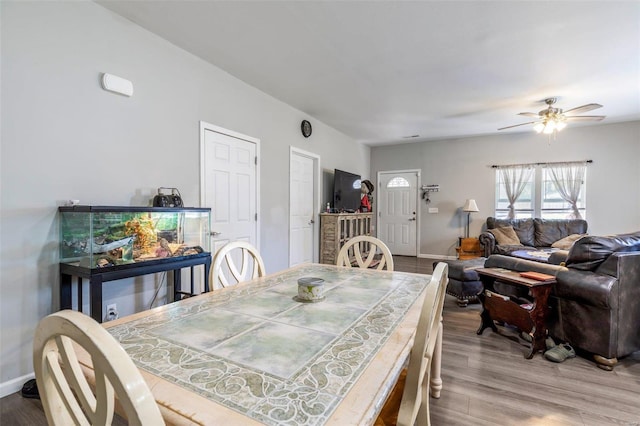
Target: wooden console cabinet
<point x="337" y="228"/>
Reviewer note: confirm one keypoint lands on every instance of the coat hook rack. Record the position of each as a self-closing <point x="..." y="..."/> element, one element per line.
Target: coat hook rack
<point x="426" y="190"/>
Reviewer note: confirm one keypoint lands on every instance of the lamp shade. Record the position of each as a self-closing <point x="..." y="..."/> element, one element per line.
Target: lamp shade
<point x="470" y="206"/>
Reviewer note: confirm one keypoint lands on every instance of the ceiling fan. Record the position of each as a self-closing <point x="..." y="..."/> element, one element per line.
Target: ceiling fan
<point x="553" y="119"/>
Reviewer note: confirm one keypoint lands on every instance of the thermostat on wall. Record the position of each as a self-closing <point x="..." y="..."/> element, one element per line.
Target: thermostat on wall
<point x="116" y="84"/>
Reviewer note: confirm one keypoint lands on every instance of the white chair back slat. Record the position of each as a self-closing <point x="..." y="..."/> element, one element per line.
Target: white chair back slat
<point x="225" y="271"/>
<point x="355" y="248"/>
<point x="66" y="395"/>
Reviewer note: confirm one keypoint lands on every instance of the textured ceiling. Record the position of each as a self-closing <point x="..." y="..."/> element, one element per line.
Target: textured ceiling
<point x="380" y="71"/>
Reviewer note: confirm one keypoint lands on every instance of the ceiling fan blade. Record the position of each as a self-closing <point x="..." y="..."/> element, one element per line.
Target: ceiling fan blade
<point x="585" y="118"/>
<point x="529" y="114"/>
<point x="516" y="125"/>
<point x="583" y="108"/>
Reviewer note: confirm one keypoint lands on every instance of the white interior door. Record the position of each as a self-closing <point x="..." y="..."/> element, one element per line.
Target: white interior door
<point x="303" y="206"/>
<point x="229" y="185"/>
<point x="398" y="211"/>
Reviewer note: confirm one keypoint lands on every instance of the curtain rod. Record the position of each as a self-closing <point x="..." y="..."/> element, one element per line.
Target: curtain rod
<point x="541" y="164"/>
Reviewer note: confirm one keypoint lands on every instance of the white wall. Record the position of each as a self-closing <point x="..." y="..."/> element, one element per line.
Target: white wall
<point x="462" y="168"/>
<point x="63" y="137"/>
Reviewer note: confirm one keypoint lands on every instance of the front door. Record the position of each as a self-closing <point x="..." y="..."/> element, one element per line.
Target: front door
<point x="229" y="181"/>
<point x="398" y="211"/>
<point x="303" y="206"/>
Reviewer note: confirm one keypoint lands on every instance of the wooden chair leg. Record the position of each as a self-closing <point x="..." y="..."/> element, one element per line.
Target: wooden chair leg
<point x="436" y="380"/>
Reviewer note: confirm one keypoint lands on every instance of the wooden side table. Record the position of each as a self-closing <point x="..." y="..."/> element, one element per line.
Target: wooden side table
<point x="530" y="318"/>
<point x="469" y="248"/>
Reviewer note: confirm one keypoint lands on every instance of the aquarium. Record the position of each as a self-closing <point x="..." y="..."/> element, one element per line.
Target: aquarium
<point x="104" y="236"/>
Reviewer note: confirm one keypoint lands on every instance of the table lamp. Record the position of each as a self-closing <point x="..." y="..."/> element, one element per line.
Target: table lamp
<point x="469" y="206"/>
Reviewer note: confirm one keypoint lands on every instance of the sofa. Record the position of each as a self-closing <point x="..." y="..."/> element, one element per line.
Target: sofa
<point x="543" y="240"/>
<point x="595" y="303"/>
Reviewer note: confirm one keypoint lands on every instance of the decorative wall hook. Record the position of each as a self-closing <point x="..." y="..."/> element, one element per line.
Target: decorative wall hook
<point x="426" y="189"/>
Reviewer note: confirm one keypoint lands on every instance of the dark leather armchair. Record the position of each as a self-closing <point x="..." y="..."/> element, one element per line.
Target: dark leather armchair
<point x="595" y="304"/>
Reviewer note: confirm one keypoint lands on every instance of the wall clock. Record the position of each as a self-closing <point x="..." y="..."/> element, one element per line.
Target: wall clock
<point x="305" y="126"/>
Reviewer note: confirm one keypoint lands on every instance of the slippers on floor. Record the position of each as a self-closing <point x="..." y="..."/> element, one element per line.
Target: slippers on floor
<point x="549" y="343"/>
<point x="30" y="389"/>
<point x="560" y="353"/>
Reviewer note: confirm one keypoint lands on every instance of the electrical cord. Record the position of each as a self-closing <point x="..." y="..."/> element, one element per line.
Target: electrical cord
<point x="155" y="296"/>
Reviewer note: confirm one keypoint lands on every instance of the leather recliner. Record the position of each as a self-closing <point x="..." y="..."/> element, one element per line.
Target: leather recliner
<point x="596" y="301"/>
<point x="595" y="304"/>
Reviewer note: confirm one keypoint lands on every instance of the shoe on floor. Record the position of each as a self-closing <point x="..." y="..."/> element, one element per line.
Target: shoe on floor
<point x="560" y="353"/>
<point x="549" y="343"/>
<point x="30" y="389"/>
<point x="526" y="337"/>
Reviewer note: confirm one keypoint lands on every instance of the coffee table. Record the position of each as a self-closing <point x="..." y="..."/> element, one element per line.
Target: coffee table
<point x="527" y="317"/>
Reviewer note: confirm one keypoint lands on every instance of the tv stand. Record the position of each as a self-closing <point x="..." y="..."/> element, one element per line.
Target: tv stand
<point x="338" y="228"/>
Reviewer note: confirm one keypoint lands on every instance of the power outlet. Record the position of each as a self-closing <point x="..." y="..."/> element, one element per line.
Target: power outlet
<point x="112" y="312"/>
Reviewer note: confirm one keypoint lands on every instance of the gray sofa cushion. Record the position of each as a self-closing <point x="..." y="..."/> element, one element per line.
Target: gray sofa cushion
<point x="507" y="250"/>
<point x="548" y="231"/>
<point x="590" y="251"/>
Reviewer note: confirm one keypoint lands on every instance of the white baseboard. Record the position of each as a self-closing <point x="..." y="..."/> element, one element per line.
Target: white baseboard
<point x="14" y="385"/>
<point x="437" y="256"/>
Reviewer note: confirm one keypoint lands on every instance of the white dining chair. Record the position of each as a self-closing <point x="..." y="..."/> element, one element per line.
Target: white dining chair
<point x="415" y="383"/>
<point x="225" y="271"/>
<point x="67" y="397"/>
<point x="363" y="249"/>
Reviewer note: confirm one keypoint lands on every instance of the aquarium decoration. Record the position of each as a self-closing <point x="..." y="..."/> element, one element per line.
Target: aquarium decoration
<point x="98" y="237"/>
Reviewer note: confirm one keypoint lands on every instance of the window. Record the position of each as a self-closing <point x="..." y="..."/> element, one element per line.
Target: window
<point x="547" y="193"/>
<point x="561" y="184"/>
<point x="524" y="206"/>
<point x="398" y="182"/>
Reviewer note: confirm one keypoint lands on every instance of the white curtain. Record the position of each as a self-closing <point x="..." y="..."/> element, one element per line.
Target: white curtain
<point x="515" y="179"/>
<point x="568" y="179"/>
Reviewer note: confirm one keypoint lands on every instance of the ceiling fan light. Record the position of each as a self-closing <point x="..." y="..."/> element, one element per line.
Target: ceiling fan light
<point x="538" y="127"/>
<point x="549" y="128"/>
<point x="561" y="125"/>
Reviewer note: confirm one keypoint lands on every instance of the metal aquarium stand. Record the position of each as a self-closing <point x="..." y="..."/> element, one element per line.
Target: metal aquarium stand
<point x="97" y="277"/>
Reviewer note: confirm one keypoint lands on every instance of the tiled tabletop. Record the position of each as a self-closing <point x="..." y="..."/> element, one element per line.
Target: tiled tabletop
<point x="255" y="350"/>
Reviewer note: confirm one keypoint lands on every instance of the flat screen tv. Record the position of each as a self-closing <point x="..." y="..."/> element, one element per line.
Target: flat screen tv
<point x="346" y="191"/>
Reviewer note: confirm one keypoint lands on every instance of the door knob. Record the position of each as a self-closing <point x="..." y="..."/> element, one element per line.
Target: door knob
<point x="311" y="222"/>
<point x="214" y="233"/>
<point x="413" y="218"/>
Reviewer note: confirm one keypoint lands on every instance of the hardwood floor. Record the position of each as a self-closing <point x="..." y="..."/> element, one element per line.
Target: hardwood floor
<point x="487" y="380"/>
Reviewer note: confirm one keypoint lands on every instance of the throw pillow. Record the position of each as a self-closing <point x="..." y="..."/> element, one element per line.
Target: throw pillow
<point x="505" y="236"/>
<point x="566" y="242"/>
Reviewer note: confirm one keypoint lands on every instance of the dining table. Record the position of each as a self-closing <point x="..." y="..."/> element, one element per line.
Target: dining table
<point x="254" y="353"/>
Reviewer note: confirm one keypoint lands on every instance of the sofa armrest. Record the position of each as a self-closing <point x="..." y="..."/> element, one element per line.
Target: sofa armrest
<point x="585" y="287"/>
<point x="521" y="265"/>
<point x="488" y="243"/>
<point x="558" y="257"/>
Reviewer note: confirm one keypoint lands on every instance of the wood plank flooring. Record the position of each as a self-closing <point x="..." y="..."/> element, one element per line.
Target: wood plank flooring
<point x="487" y="380"/>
